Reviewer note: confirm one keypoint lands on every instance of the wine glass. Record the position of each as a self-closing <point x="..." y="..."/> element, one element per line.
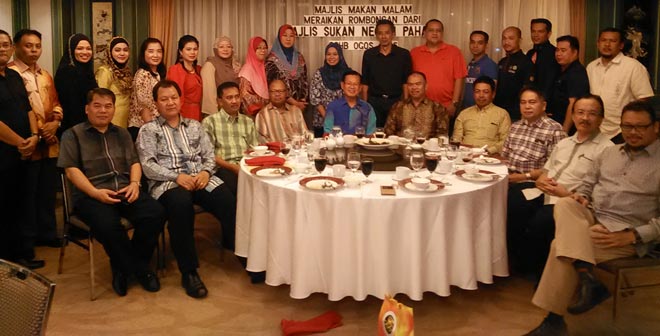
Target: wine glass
<point x="309" y="138"/>
<point x="367" y="168"/>
<point x="297" y="142"/>
<point x="466" y="154"/>
<point x="286" y="147"/>
<point x="416" y="161"/>
<point x="379" y="133"/>
<point x="409" y="134"/>
<point x="359" y="132"/>
<point x="320" y="161"/>
<point x="353" y="161"/>
<point x="451" y="153"/>
<point x="431" y="161"/>
<point x="420" y="138"/>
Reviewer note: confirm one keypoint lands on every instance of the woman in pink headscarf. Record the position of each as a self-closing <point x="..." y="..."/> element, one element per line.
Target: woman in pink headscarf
<point x="253" y="85"/>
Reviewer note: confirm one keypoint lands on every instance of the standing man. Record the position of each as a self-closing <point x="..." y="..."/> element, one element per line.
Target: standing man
<point x="279" y="120"/>
<point x="39" y="227"/>
<point x="417" y="112"/>
<point x="483" y="124"/>
<point x="542" y="56"/>
<point x="349" y="111"/>
<point x="231" y="134"/>
<point x="571" y="83"/>
<point x="616" y="78"/>
<point x="17" y="142"/>
<point x="480" y="65"/>
<point x="614" y="213"/>
<point x="385" y="69"/>
<point x="443" y="65"/>
<point x="515" y="71"/>
<point x="99" y="158"/>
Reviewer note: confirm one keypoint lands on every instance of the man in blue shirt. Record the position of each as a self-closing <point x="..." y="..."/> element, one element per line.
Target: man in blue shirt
<point x="481" y="65"/>
<point x="349" y="111"/>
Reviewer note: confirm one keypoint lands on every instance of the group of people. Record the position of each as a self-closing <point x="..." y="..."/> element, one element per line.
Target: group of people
<point x="187" y="127"/>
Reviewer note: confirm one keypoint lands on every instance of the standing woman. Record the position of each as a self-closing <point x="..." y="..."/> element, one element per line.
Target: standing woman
<point x="253" y="84"/>
<point x="186" y="73"/>
<point x="287" y="64"/>
<point x="219" y="68"/>
<point x="73" y="79"/>
<point x="115" y="74"/>
<point x="151" y="71"/>
<point x="326" y="84"/>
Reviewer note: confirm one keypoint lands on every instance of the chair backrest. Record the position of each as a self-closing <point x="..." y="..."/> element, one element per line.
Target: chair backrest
<point x="25" y="298"/>
<point x="67" y="186"/>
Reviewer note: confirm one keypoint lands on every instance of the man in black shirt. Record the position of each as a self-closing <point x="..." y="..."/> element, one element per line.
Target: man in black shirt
<point x="571" y="83"/>
<point x="17" y="141"/>
<point x="385" y="69"/>
<point x="545" y="67"/>
<point x="515" y="71"/>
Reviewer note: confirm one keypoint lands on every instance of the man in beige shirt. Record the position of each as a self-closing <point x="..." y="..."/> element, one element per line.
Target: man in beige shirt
<point x="483" y="124"/>
<point x="279" y="120"/>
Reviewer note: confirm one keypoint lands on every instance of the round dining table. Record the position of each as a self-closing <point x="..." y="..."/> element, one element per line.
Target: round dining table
<point x="355" y="242"/>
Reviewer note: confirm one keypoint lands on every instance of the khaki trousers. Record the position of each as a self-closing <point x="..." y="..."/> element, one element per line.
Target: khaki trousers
<point x="572" y="241"/>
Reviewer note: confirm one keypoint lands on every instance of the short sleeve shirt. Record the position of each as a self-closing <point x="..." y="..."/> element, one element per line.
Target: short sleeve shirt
<point x="482" y="67"/>
<point x="514" y="72"/>
<point x="441" y="68"/>
<point x="386" y="74"/>
<point x="571" y="83"/>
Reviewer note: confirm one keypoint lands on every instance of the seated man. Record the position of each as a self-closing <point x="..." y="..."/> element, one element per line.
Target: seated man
<point x="349" y="111"/>
<point x="482" y="124"/>
<point x="530" y="221"/>
<point x="231" y="133"/>
<point x="614" y="213"/>
<point x="99" y="159"/>
<point x="177" y="157"/>
<point x="417" y="112"/>
<point x="279" y="120"/>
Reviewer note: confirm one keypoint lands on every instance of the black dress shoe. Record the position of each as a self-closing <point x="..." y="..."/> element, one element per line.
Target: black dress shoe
<point x="31" y="263"/>
<point x="550" y="327"/>
<point x="149" y="281"/>
<point x="55" y="242"/>
<point x="591" y="292"/>
<point x="119" y="283"/>
<point x="193" y="285"/>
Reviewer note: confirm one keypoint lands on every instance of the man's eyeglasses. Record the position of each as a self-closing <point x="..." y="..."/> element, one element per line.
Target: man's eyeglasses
<point x="588" y="114"/>
<point x="638" y="128"/>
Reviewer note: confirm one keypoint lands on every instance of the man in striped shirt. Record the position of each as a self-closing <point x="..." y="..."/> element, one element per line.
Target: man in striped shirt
<point x="279" y="120"/>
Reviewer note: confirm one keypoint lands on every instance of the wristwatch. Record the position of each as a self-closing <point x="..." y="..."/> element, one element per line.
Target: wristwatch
<point x="638" y="238"/>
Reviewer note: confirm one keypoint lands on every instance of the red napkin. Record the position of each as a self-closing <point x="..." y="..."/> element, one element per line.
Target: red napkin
<point x="321" y="323"/>
<point x="275" y="146"/>
<point x="265" y="161"/>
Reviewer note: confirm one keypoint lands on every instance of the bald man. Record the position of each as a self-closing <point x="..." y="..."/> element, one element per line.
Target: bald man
<point x="515" y="71"/>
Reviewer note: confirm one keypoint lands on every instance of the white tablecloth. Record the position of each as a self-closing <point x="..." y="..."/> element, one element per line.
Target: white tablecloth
<point x="355" y="242"/>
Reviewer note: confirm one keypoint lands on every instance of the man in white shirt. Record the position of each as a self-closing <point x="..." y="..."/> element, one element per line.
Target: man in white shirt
<point x="616" y="78"/>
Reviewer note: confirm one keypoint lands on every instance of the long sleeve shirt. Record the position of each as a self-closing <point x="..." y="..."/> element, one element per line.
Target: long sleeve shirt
<point x="529" y="144"/>
<point x="478" y="127"/>
<point x="276" y="124"/>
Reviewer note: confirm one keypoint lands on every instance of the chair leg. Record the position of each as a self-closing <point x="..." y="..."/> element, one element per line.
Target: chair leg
<point x="91" y="268"/>
<point x="617" y="293"/>
<point x="65" y="241"/>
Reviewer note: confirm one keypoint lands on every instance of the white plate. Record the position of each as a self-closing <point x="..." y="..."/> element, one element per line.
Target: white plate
<point x="322" y="183"/>
<point x="478" y="177"/>
<point x="432" y="188"/>
<point x="377" y="145"/>
<point x="266" y="153"/>
<point x="486" y="161"/>
<point x="271" y="171"/>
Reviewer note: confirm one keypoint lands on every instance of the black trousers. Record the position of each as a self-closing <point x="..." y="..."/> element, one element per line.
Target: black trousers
<point x="530" y="230"/>
<point x="41" y="187"/>
<point x="12" y="207"/>
<point x="382" y="108"/>
<point x="178" y="204"/>
<point x="126" y="255"/>
<point x="229" y="177"/>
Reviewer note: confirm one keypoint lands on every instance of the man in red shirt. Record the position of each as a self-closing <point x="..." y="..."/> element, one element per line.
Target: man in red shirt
<point x="443" y="64"/>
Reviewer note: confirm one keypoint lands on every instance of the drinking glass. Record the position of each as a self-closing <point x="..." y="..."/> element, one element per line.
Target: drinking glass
<point x="379" y="133"/>
<point x="320" y="161"/>
<point x="286" y="147"/>
<point x="409" y="134"/>
<point x="367" y="168"/>
<point x="359" y="132"/>
<point x="416" y="161"/>
<point x="431" y="161"/>
<point x="297" y="142"/>
<point x="451" y="153"/>
<point x="309" y="138"/>
<point x="353" y="161"/>
<point x="466" y="154"/>
<point x="420" y="138"/>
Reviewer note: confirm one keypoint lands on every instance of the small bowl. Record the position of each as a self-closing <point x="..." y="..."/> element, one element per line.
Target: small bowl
<point x="471" y="170"/>
<point x="420" y="183"/>
<point x="260" y="150"/>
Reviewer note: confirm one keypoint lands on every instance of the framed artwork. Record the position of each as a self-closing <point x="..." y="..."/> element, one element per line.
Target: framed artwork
<point x="102" y="29"/>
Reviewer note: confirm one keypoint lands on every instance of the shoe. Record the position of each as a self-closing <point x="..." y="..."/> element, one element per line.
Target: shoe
<point x="193" y="285"/>
<point x="550" y="327"/>
<point x="591" y="292"/>
<point x="119" y="283"/>
<point x="54" y="243"/>
<point x="149" y="281"/>
<point x="257" y="277"/>
<point x="31" y="263"/>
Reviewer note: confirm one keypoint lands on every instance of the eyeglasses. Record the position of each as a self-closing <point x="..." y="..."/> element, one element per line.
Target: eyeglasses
<point x="5" y="45"/>
<point x="592" y="114"/>
<point x="638" y="128"/>
<point x="278" y="91"/>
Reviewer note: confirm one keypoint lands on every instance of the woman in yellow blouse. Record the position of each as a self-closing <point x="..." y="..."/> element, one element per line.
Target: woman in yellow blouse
<point x="115" y="74"/>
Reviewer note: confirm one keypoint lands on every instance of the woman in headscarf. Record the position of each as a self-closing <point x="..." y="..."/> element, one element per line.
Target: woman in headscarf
<point x="151" y="71"/>
<point x="186" y="73"/>
<point x="253" y="84"/>
<point x="326" y="84"/>
<point x="115" y="74"/>
<point x="287" y="64"/>
<point x="220" y="68"/>
<point x="74" y="78"/>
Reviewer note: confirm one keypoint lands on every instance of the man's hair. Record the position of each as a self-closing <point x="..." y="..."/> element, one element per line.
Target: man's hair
<point x="640" y="106"/>
<point x="612" y="30"/>
<point x="481" y="32"/>
<point x="597" y="98"/>
<point x="386" y="22"/>
<point x="485" y="80"/>
<point x="101" y="92"/>
<point x="442" y="25"/>
<point x="572" y="41"/>
<point x="418" y="73"/>
<point x="165" y="83"/>
<point x="224" y="86"/>
<point x="19" y="34"/>
<point x="350" y="73"/>
<point x="515" y="29"/>
<point x="546" y="22"/>
<point x="2" y="32"/>
<point x="532" y="89"/>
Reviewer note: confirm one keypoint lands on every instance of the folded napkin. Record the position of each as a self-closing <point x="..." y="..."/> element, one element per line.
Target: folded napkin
<point x="321" y="323"/>
<point x="265" y="161"/>
<point x="275" y="146"/>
